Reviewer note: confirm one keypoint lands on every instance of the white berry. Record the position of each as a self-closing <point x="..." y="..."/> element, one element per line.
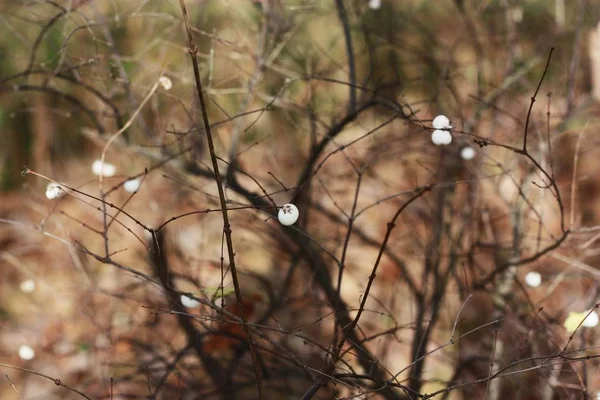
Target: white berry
<point x="440" y="137"/>
<point x="132" y="185"/>
<point x="26" y="353"/>
<point x="104" y="169"/>
<point x="27" y="286"/>
<point x="189" y="302"/>
<point x="591" y="320"/>
<point x="533" y="279"/>
<point x="441" y="122"/>
<point x="467" y="153"/>
<point x="288" y="214"/>
<point x="374" y="4"/>
<point x="165" y="82"/>
<point x="54" y="191"/>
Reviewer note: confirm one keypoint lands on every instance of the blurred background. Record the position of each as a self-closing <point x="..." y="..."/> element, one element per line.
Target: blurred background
<point x="327" y="105"/>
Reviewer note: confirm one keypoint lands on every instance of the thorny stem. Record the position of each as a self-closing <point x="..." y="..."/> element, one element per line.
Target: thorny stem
<point x="193" y="50"/>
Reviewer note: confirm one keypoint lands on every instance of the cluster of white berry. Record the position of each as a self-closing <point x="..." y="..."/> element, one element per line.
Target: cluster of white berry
<point x="55" y="190"/>
<point x="442" y="136"/>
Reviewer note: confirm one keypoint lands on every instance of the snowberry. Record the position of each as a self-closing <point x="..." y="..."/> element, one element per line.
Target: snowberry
<point x="448" y="138"/>
<point x="592" y="320"/>
<point x="574" y="319"/>
<point x="132" y="185"/>
<point x="440" y="137"/>
<point x="27" y="286"/>
<point x="54" y="191"/>
<point x="467" y="153"/>
<point x="106" y="169"/>
<point x="441" y="122"/>
<point x="288" y="214"/>
<point x="26" y="353"/>
<point x="533" y="279"/>
<point x="374" y="4"/>
<point x="165" y="82"/>
<point x="189" y="302"/>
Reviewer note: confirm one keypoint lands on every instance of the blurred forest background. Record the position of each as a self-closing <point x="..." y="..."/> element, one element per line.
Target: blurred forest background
<point x="415" y="271"/>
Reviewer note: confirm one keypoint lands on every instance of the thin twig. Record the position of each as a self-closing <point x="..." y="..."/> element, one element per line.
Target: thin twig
<point x="350" y="54"/>
<point x="533" y="100"/>
<point x="390" y="227"/>
<point x="574" y="177"/>
<point x="491" y="371"/>
<point x="193" y="50"/>
<point x="458" y="315"/>
<point x="56" y="381"/>
<point x="13" y="386"/>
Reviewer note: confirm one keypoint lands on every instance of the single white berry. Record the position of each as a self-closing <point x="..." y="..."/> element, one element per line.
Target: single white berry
<point x="27" y="286"/>
<point x="132" y="185"/>
<point x="591" y="320"/>
<point x="374" y="4"/>
<point x="165" y="82"/>
<point x="189" y="302"/>
<point x="574" y="319"/>
<point x="54" y="191"/>
<point x="448" y="138"/>
<point x="467" y="153"/>
<point x="26" y="353"/>
<point x="533" y="279"/>
<point x="441" y="122"/>
<point x="106" y="169"/>
<point x="440" y="137"/>
<point x="288" y="214"/>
